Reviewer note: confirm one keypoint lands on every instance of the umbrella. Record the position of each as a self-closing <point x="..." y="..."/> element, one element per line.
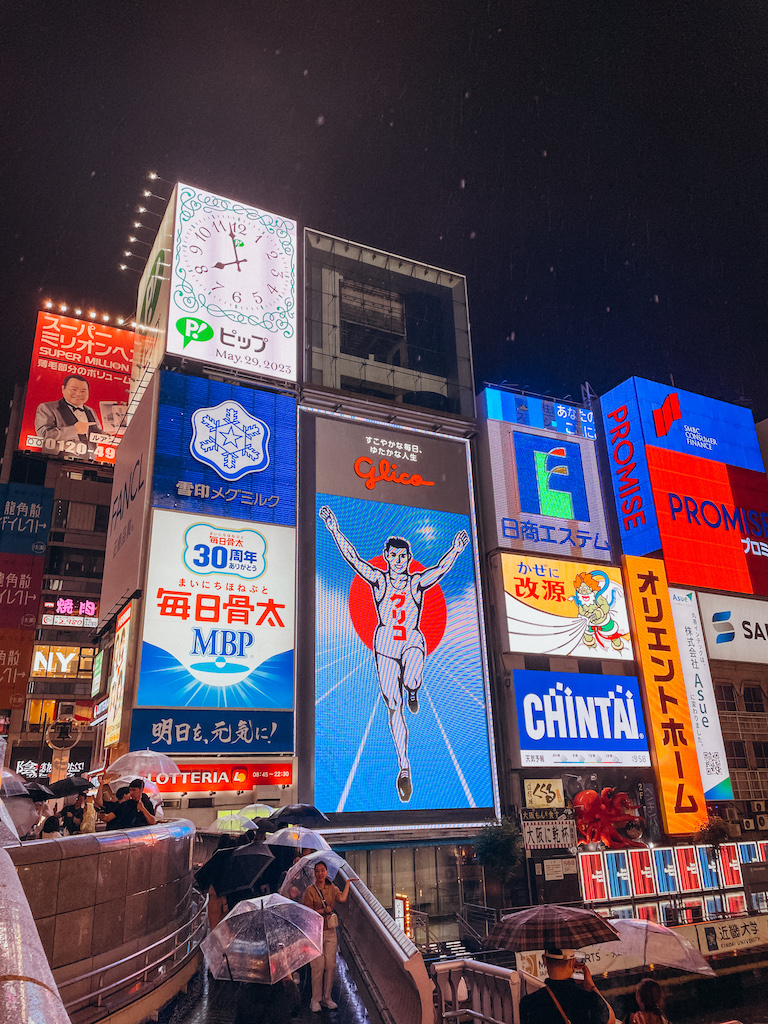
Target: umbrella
<point x="71" y="785"/>
<point x="263" y="940"/>
<point x="301" y="838"/>
<point x="233" y="869"/>
<point x="549" y="927"/>
<point x="231" y="823"/>
<point x="38" y="791"/>
<point x="302" y="874"/>
<point x="300" y="814"/>
<point x="150" y="788"/>
<point x="9" y="835"/>
<point x="141" y="764"/>
<point x="256" y="811"/>
<point x="12" y="784"/>
<point x="641" y="943"/>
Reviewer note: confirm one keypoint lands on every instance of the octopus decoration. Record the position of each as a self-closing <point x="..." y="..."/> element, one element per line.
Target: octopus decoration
<point x="599" y="816"/>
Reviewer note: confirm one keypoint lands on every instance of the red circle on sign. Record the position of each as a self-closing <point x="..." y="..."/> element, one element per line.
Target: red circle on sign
<point x="365" y="618"/>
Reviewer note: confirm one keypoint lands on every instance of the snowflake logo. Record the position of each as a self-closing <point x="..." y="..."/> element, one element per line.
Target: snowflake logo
<point x="230" y="440"/>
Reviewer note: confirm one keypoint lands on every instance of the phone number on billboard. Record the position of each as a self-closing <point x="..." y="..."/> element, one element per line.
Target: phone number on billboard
<point x="51" y="444"/>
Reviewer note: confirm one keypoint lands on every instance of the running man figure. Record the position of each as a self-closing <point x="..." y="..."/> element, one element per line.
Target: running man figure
<point x="399" y="646"/>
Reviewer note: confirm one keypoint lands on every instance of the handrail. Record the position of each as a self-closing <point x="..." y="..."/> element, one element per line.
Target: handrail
<point x="480" y="991"/>
<point x="197" y="923"/>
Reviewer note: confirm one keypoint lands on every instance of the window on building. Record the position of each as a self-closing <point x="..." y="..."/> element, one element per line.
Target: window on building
<point x="60" y="510"/>
<point x="101" y="525"/>
<point x="753" y="699"/>
<point x="75" y="562"/>
<point x="736" y="752"/>
<point x="725" y="697"/>
<point x="760" y="748"/>
<point x="40" y="713"/>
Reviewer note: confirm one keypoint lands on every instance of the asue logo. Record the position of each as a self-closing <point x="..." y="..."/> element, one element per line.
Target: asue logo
<point x="723" y="627"/>
<point x="664" y="417"/>
<point x="550" y="477"/>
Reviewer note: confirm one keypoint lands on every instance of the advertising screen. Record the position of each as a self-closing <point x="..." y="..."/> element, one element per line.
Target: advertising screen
<point x="202" y="731"/>
<point x="705" y="717"/>
<point x="120" y="655"/>
<point x="225" y="450"/>
<point x="537" y="412"/>
<point x="546" y="493"/>
<point x="673" y="743"/>
<point x="223" y="776"/>
<point x="77" y="394"/>
<point x="399" y="643"/>
<point x="218" y="614"/>
<point x="233" y="285"/>
<point x="26" y="518"/>
<point x="574" y="718"/>
<point x="574" y="609"/>
<point x="15" y="659"/>
<point x="21" y="580"/>
<point x="70" y="612"/>
<point x="736" y="628"/>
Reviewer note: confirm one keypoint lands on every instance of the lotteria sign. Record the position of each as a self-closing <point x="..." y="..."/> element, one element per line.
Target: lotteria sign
<point x="575" y="719"/>
<point x="224" y="777"/>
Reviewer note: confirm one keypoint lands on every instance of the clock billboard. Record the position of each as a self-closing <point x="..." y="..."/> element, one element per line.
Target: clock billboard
<point x="224" y="274"/>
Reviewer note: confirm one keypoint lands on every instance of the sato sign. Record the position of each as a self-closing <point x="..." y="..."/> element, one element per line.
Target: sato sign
<point x="77" y="394"/>
<point x="224" y="777"/>
<point x="225" y="450"/>
<point x="203" y="731"/>
<point x="675" y="760"/>
<point x="574" y="719"/>
<point x="233" y="285"/>
<point x="398" y="623"/>
<point x="736" y="628"/>
<point x="705" y="717"/>
<point x="545" y="492"/>
<point x="574" y="609"/>
<point x="218" y="614"/>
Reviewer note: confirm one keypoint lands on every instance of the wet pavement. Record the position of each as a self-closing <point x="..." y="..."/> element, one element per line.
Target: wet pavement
<point x="208" y="1001"/>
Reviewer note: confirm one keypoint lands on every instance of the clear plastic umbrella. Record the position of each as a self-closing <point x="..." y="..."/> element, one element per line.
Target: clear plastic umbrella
<point x="256" y="811"/>
<point x="9" y="835"/>
<point x="13" y="784"/>
<point x="231" y="823"/>
<point x="302" y="874"/>
<point x="641" y="943"/>
<point x="301" y="838"/>
<point x="150" y="788"/>
<point x="263" y="940"/>
<point x="141" y="764"/>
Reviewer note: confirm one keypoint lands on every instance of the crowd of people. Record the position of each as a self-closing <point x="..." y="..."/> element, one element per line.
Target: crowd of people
<point x="127" y="807"/>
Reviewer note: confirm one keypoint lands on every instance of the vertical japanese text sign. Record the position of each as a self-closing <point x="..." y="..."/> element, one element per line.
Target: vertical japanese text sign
<point x="672" y="740"/>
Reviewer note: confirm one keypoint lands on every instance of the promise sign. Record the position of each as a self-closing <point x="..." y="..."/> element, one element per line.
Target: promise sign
<point x="672" y="739"/>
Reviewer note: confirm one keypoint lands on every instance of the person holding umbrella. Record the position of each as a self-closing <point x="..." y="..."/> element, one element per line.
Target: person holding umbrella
<point x="322" y="896"/>
<point x="562" y="1000"/>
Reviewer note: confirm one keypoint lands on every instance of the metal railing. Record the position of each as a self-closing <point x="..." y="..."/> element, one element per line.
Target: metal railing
<point x="469" y="990"/>
<point x="185" y="941"/>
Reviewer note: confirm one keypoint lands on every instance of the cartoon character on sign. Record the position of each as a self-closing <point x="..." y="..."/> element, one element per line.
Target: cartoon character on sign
<point x="595" y="609"/>
<point x="401" y="640"/>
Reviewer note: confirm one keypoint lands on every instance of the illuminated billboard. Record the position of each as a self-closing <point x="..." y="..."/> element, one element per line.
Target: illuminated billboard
<point x="70" y="612"/>
<point x="26" y="518"/>
<point x="542" y="489"/>
<point x="705" y="717"/>
<point x="205" y="731"/>
<point x="77" y="394"/>
<point x="16" y="648"/>
<point x="218" y="614"/>
<point x="580" y="719"/>
<point x="225" y="450"/>
<point x="398" y="624"/>
<point x="21" y="580"/>
<point x="673" y="747"/>
<point x="233" y="285"/>
<point x="120" y="656"/>
<point x="736" y="628"/>
<point x="565" y="609"/>
<point x="61" y="662"/>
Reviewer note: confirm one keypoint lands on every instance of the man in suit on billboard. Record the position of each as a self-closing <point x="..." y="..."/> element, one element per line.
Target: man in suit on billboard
<point x="68" y="419"/>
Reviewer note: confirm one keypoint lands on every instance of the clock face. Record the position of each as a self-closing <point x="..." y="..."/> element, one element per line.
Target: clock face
<point x="233" y="285"/>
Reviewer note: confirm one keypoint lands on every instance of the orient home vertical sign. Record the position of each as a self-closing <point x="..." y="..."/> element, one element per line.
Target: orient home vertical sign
<point x="673" y="741"/>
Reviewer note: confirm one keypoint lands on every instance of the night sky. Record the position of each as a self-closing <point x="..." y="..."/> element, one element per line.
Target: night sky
<point x="596" y="169"/>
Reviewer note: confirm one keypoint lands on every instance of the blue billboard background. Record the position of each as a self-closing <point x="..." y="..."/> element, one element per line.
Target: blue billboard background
<point x="356" y="766"/>
<point x="578" y="718"/>
<point x="225" y="450"/>
<point x="184" y="731"/>
<point x="25" y="511"/>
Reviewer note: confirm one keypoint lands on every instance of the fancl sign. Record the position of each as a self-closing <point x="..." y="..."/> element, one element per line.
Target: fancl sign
<point x="574" y="718"/>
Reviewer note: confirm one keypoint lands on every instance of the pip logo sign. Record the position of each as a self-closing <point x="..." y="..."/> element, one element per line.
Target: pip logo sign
<point x="550" y="477"/>
<point x="723" y="627"/>
<point x="664" y="417"/>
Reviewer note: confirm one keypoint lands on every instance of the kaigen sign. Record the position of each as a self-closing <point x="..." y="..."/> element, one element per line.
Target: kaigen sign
<point x="225" y="450"/>
<point x="573" y="718"/>
<point x="673" y="744"/>
<point x="543" y="492"/>
<point x="77" y="394"/>
<point x="573" y="609"/>
<point x="399" y="644"/>
<point x="705" y="717"/>
<point x="736" y="628"/>
<point x="218" y="614"/>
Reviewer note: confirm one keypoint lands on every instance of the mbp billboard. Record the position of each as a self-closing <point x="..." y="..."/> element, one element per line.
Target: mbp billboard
<point x="77" y="394"/>
<point x="218" y="625"/>
<point x="399" y="647"/>
<point x="225" y="450"/>
<point x="543" y="494"/>
<point x="565" y="609"/>
<point x="580" y="719"/>
<point x="736" y="628"/>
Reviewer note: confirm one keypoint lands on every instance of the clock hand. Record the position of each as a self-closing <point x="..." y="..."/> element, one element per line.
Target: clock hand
<point x="220" y="266"/>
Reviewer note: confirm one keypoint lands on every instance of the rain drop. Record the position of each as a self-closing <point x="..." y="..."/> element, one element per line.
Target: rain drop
<point x="320" y="120"/>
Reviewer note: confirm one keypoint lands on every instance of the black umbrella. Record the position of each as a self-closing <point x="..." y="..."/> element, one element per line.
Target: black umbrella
<point x="39" y="791"/>
<point x="299" y="814"/>
<point x="233" y="869"/>
<point x="71" y="785"/>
